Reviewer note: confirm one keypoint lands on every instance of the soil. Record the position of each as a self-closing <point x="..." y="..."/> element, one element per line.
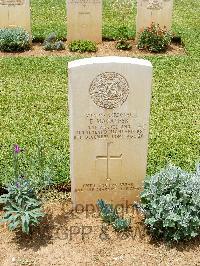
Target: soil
<point x="66" y="237"/>
<point x="106" y="48"/>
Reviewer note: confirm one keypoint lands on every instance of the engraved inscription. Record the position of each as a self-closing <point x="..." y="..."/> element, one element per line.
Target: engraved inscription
<point x="113" y="126"/>
<point x="12" y="2"/>
<point x="155" y="4"/>
<point x="109" y="90"/>
<point x="107" y="187"/>
<point x="84" y="13"/>
<point x="84" y="2"/>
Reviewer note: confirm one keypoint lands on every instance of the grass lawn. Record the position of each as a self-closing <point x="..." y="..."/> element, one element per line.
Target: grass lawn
<point x="50" y="16"/>
<point x="33" y="95"/>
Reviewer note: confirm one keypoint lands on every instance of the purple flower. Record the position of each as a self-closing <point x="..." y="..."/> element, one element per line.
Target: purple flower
<point x="17" y="149"/>
<point x="17" y="185"/>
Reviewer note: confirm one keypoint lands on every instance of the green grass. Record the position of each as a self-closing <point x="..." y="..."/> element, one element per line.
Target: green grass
<point x="50" y="16"/>
<point x="33" y="95"/>
<point x="175" y="112"/>
<point x="33" y="106"/>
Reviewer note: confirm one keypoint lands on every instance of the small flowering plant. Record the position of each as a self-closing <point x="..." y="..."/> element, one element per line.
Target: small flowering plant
<point x="154" y="39"/>
<point x="22" y="208"/>
<point x="17" y="150"/>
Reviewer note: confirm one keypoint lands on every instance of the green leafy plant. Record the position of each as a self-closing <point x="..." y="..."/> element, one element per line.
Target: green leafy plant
<point x="121" y="224"/>
<point x="154" y="39"/>
<point x="82" y="46"/>
<point x="171" y="204"/>
<point x="14" y="40"/>
<point x="110" y="215"/>
<point x="51" y="43"/>
<point x="22" y="207"/>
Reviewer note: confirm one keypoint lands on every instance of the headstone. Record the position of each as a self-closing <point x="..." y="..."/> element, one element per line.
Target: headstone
<point x="15" y="13"/>
<point x="109" y="106"/>
<point x="156" y="11"/>
<point x="84" y="20"/>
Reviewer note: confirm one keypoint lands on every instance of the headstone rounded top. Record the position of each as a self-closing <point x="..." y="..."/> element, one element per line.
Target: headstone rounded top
<point x="109" y="59"/>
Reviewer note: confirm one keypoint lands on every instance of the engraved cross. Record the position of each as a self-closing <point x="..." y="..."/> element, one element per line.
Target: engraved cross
<point x="109" y="159"/>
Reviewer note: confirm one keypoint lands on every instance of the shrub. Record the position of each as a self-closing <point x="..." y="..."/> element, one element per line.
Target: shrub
<point x="110" y="215"/>
<point x="14" y="40"/>
<point x="154" y="39"/>
<point x="171" y="204"/>
<point x="82" y="46"/>
<point x="51" y="43"/>
<point x="22" y="207"/>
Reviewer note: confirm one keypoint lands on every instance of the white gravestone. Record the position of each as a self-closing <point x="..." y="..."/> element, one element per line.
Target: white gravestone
<point x="156" y="11"/>
<point x="84" y="20"/>
<point x="109" y="107"/>
<point x="15" y="13"/>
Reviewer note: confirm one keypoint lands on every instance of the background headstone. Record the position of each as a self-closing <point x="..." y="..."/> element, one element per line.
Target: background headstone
<point x="109" y="104"/>
<point x="157" y="11"/>
<point x="84" y="20"/>
<point x="15" y="13"/>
